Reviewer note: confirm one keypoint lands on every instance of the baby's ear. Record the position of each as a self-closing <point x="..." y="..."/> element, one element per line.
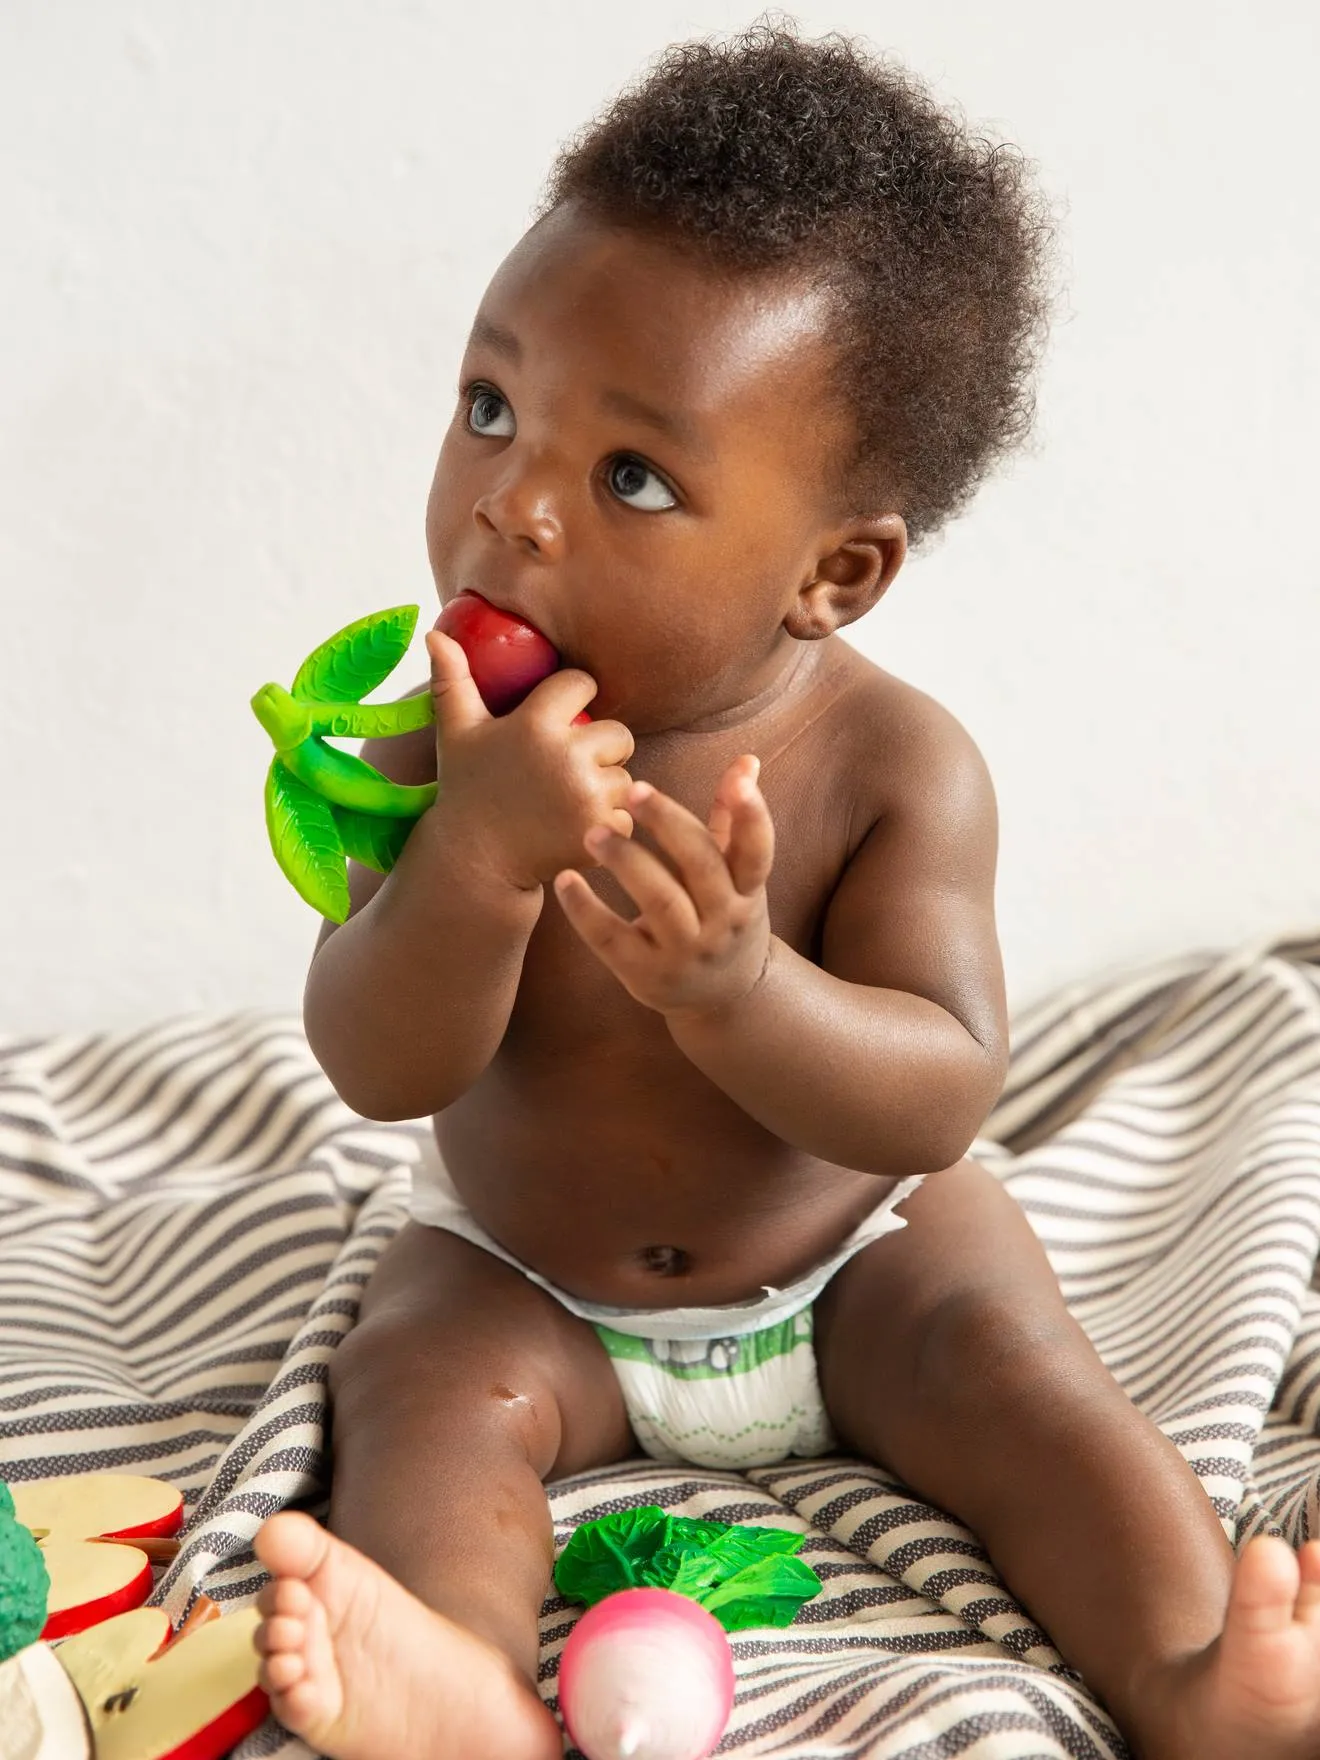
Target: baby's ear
<point x="849" y="579"/>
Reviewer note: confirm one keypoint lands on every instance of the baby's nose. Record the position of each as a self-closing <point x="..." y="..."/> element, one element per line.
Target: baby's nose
<point x="523" y="511"/>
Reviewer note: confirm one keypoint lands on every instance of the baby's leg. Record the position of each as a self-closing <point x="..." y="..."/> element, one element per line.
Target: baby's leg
<point x="461" y="1389"/>
<point x="946" y="1354"/>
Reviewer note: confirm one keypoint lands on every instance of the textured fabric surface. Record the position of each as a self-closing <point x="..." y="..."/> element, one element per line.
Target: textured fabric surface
<point x="188" y="1216"/>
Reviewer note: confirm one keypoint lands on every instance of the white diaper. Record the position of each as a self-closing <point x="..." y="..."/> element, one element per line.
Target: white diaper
<point x="729" y="1386"/>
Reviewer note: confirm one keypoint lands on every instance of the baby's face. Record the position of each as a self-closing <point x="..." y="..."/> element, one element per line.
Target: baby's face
<point x="636" y="465"/>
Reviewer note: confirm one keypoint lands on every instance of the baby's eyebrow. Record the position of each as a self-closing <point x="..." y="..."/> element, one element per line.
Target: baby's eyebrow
<point x="624" y="403"/>
<point x="667" y="422"/>
<point x="495" y="336"/>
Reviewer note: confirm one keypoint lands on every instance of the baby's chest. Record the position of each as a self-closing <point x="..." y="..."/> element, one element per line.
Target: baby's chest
<point x="568" y="995"/>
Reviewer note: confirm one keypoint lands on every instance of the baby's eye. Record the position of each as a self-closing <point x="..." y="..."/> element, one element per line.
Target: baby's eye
<point x="485" y="404"/>
<point x="629" y="475"/>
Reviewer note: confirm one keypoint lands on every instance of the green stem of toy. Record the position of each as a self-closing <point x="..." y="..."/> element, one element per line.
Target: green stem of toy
<point x="290" y="720"/>
<point x="286" y="720"/>
<point x="346" y="781"/>
<point x="373" y="720"/>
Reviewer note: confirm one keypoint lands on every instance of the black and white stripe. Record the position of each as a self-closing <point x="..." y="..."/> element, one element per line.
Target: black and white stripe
<point x="188" y="1216"/>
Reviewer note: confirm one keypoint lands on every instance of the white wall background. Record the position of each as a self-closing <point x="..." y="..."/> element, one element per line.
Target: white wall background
<point x="241" y="248"/>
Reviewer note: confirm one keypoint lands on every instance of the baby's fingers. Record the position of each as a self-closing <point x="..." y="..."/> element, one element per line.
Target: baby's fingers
<point x="751" y="845"/>
<point x="720" y="824"/>
<point x="726" y="802"/>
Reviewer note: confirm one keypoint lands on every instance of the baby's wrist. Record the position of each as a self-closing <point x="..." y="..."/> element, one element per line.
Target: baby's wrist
<point x="476" y="864"/>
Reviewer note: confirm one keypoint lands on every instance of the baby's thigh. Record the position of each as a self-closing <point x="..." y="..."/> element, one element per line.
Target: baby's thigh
<point x="965" y="1291"/>
<point x="457" y="1339"/>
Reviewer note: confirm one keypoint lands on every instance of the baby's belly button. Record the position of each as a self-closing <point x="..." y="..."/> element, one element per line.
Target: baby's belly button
<point x="665" y="1261"/>
<point x="663" y="1275"/>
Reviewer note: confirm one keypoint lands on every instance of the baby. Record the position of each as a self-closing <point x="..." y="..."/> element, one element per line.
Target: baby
<point x="703" y="990"/>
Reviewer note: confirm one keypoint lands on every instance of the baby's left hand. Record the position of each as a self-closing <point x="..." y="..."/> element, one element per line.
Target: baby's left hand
<point x="702" y="939"/>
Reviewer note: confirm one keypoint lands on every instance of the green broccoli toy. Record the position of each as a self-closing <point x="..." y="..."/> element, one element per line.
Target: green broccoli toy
<point x="24" y="1582"/>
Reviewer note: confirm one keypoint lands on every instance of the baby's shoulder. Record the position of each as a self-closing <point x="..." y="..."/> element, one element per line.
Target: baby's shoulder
<point x="899" y="743"/>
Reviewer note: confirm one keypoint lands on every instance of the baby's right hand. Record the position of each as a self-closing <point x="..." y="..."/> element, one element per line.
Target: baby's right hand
<point x="524" y="788"/>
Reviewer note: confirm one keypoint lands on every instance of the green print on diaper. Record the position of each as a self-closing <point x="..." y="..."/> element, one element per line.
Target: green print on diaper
<point x="706" y="1359"/>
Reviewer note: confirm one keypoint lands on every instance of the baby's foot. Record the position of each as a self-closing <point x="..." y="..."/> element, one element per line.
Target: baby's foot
<point x="363" y="1670"/>
<point x="1254" y="1694"/>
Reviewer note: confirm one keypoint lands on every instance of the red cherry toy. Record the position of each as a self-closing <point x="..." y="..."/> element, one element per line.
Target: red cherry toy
<point x="508" y="657"/>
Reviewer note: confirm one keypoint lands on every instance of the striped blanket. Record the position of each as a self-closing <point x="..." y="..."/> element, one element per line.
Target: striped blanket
<point x="188" y="1215"/>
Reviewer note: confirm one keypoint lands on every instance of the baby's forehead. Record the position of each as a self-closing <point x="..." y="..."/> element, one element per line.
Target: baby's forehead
<point x="626" y="307"/>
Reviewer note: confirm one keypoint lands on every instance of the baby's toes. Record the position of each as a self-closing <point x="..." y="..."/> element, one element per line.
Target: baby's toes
<point x="1268" y="1655"/>
<point x="300" y="1708"/>
<point x="285" y="1595"/>
<point x="1308" y="1595"/>
<point x="286" y="1644"/>
<point x="282" y="1670"/>
<point x="280" y="1633"/>
<point x="1263" y="1592"/>
<point x="299" y="1671"/>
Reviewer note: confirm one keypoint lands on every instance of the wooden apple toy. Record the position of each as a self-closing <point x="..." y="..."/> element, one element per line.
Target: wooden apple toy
<point x="646" y="1675"/>
<point x="324" y="806"/>
<point x="152" y="1696"/>
<point x="76" y="1522"/>
<point x="132" y="1690"/>
<point x="125" y="1687"/>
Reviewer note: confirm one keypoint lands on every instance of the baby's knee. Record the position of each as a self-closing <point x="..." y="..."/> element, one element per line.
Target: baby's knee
<point x="367" y="1358"/>
<point x="985" y="1343"/>
<point x="398" y="1374"/>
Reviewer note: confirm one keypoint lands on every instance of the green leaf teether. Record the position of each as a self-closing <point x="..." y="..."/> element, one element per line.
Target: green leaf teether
<point x="323" y="805"/>
<point x="359" y="658"/>
<point x="306" y="842"/>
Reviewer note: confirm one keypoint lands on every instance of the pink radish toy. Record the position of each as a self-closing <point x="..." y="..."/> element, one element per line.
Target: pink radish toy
<point x="647" y="1673"/>
<point x="620" y="1675"/>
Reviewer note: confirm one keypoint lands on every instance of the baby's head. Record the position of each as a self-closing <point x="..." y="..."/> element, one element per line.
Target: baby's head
<point x="777" y="317"/>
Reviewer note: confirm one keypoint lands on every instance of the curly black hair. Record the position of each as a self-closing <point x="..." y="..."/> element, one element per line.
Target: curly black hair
<point x="768" y="153"/>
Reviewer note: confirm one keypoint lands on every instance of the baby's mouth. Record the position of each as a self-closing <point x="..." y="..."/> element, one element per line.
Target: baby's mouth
<point x="507" y="654"/>
<point x="503" y="611"/>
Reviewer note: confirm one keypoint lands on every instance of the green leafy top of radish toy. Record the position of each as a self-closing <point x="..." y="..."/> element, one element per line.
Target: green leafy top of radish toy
<point x="743" y="1574"/>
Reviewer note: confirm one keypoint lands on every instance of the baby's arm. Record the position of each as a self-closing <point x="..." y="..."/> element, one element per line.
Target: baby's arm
<point x="407" y="1001"/>
<point x="888" y="1055"/>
